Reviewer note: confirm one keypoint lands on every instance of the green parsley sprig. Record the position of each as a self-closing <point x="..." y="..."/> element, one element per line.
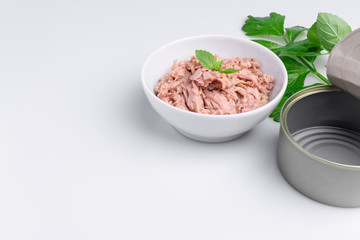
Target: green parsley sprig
<point x="209" y="61"/>
<point x="297" y="56"/>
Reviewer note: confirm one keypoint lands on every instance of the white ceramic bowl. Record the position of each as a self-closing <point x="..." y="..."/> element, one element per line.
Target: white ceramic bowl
<point x="204" y="127"/>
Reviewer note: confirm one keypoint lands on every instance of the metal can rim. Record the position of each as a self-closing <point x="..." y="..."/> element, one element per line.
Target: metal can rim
<point x="283" y="115"/>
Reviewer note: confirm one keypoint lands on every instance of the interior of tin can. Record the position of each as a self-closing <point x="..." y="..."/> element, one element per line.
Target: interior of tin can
<point x="327" y="124"/>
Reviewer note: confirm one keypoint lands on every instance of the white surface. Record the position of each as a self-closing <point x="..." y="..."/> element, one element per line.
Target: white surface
<point x="206" y="127"/>
<point x="84" y="156"/>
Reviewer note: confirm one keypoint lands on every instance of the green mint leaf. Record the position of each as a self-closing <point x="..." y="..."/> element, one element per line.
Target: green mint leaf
<point x="312" y="35"/>
<point x="275" y="47"/>
<point x="296" y="72"/>
<point x="209" y="61"/>
<point x="312" y="58"/>
<point x="271" y="25"/>
<point x="331" y="29"/>
<point x="206" y="59"/>
<point x="217" y="66"/>
<point x="230" y="70"/>
<point x="301" y="48"/>
<point x="293" y="32"/>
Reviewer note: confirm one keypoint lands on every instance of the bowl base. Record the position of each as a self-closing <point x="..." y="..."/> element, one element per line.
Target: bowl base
<point x="209" y="139"/>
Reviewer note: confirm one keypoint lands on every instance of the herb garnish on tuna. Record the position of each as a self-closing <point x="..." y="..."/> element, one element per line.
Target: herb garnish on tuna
<point x="209" y="61"/>
<point x="297" y="56"/>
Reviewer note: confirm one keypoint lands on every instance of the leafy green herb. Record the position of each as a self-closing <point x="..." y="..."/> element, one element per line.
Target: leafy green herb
<point x="293" y="32"/>
<point x="296" y="72"/>
<point x="331" y="29"/>
<point x="209" y="61"/>
<point x="312" y="34"/>
<point x="229" y="70"/>
<point x="275" y="47"/>
<point x="311" y="59"/>
<point x="272" y="25"/>
<point x="301" y="48"/>
<point x="297" y="56"/>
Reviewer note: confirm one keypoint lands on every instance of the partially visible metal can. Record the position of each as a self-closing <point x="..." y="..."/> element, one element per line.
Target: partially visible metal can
<point x="343" y="66"/>
<point x="319" y="145"/>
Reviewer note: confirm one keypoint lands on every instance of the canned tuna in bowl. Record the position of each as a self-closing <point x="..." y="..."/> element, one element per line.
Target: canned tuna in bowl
<point x="319" y="145"/>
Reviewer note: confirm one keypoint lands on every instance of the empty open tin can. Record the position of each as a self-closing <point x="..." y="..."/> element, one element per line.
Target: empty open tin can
<point x="319" y="142"/>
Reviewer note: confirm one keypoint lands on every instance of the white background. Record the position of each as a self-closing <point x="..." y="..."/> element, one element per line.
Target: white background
<point x="84" y="156"/>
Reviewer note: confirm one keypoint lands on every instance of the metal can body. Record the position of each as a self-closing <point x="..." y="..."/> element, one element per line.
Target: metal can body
<point x="319" y="145"/>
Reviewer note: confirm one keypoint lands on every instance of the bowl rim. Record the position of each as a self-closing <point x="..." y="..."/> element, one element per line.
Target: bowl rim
<point x="201" y="115"/>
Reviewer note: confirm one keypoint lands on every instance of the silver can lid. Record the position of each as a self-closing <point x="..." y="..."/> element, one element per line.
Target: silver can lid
<point x="343" y="66"/>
